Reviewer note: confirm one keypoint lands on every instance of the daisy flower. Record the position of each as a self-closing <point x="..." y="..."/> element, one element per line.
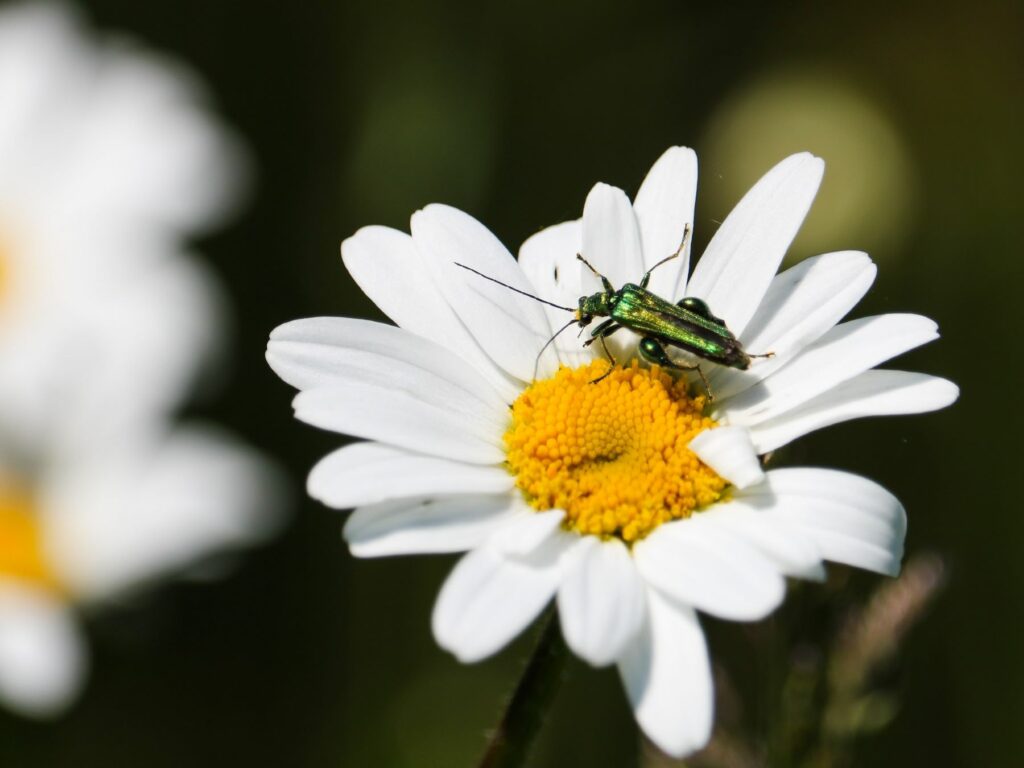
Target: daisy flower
<point x="107" y="161"/>
<point x="624" y="495"/>
<point x="91" y="527"/>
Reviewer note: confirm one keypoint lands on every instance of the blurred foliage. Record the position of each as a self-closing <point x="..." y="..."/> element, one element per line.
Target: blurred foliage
<point x="359" y="113"/>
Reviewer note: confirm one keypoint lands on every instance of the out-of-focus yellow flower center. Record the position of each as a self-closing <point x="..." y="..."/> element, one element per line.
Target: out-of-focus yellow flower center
<point x="21" y="542"/>
<point x="612" y="454"/>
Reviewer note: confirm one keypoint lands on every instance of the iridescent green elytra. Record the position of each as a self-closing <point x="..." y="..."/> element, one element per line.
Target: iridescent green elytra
<point x="688" y="325"/>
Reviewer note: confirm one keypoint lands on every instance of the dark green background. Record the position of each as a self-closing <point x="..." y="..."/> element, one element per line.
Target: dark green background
<point x="359" y="114"/>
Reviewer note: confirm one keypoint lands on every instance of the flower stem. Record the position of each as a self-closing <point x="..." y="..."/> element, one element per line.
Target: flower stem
<point x="512" y="738"/>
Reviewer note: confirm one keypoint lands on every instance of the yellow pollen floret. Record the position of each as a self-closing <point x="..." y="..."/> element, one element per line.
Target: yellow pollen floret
<point x="612" y="454"/>
<point x="21" y="542"/>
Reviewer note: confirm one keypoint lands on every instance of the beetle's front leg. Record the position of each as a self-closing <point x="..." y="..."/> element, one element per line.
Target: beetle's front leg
<point x="603" y="331"/>
<point x="653" y="351"/>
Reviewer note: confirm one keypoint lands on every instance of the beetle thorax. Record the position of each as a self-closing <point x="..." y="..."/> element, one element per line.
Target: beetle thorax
<point x="597" y="305"/>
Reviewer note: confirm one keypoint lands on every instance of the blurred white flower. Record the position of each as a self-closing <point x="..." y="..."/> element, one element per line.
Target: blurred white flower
<point x="631" y="502"/>
<point x="108" y="160"/>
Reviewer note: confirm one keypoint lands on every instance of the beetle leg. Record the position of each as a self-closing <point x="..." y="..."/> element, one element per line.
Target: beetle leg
<point x="679" y="252"/>
<point x="605" y="329"/>
<point x="604" y="280"/>
<point x="652" y="350"/>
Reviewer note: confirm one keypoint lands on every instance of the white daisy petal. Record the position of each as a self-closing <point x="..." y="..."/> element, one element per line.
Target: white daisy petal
<point x="664" y="206"/>
<point x="112" y="168"/>
<point x="187" y="494"/>
<point x="851" y="519"/>
<point x="367" y="473"/>
<point x="129" y="353"/>
<point x="489" y="598"/>
<point x="667" y="676"/>
<point x="743" y="256"/>
<point x="548" y="259"/>
<point x="428" y="526"/>
<point x="600" y="600"/>
<point x="43" y="61"/>
<point x="611" y="238"/>
<point x="842" y="353"/>
<point x="701" y="563"/>
<point x="323" y="351"/>
<point x="792" y="551"/>
<point x="42" y="654"/>
<point x="510" y="327"/>
<point x="397" y="278"/>
<point x="528" y="532"/>
<point x="729" y="451"/>
<point x="434" y="420"/>
<point x="802" y="303"/>
<point x="872" y="393"/>
<point x="105" y="133"/>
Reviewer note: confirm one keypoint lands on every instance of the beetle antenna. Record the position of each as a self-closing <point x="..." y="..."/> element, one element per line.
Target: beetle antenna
<point x="524" y="293"/>
<point x="536" y="362"/>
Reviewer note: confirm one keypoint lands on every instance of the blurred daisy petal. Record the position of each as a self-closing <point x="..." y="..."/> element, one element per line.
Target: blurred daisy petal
<point x="156" y="504"/>
<point x="42" y="656"/>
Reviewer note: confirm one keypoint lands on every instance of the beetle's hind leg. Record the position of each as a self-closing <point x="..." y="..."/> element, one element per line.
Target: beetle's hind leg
<point x="653" y="352"/>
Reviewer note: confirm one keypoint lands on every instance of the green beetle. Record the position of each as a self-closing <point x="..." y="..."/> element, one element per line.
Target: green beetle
<point x="688" y="325"/>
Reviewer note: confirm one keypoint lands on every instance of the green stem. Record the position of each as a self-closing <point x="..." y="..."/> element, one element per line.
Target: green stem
<point x="512" y="738"/>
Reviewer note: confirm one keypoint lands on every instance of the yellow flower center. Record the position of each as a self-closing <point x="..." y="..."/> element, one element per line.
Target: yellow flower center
<point x="612" y="454"/>
<point x="21" y="541"/>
